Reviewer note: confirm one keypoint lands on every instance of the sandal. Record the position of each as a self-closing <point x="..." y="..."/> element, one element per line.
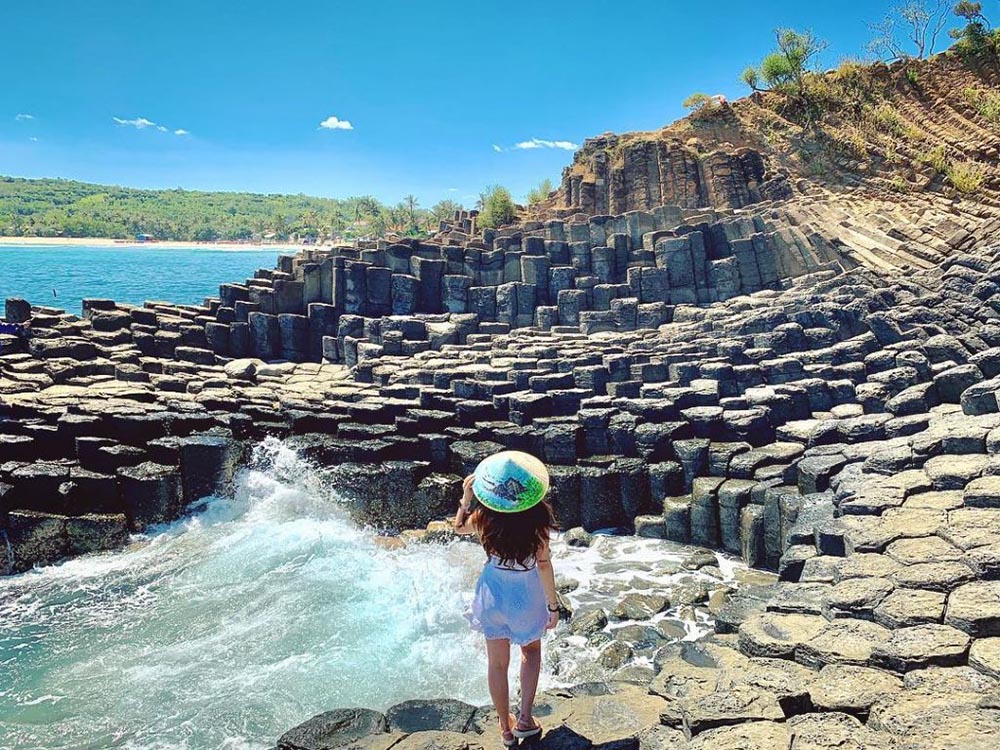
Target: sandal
<point x="523" y="734"/>
<point x="508" y="738"/>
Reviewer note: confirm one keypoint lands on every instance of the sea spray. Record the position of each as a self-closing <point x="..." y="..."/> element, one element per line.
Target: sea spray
<point x="227" y="627"/>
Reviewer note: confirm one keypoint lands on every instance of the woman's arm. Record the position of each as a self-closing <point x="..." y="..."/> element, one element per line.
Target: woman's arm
<point x="543" y="558"/>
<point x="462" y="525"/>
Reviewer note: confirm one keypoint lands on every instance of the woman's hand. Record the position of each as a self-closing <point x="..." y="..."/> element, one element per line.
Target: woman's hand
<point x="467" y="496"/>
<point x="553" y="620"/>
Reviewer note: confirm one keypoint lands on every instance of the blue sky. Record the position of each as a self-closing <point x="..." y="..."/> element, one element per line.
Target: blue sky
<point x="219" y="95"/>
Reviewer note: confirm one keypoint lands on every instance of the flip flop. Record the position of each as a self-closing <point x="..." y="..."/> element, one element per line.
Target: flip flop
<point x="523" y="734"/>
<point x="508" y="743"/>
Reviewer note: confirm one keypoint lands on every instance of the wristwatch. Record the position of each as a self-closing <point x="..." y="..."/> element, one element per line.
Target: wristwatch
<point x="552" y="608"/>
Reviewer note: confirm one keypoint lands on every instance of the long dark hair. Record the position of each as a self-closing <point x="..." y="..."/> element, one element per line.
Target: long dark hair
<point x="513" y="537"/>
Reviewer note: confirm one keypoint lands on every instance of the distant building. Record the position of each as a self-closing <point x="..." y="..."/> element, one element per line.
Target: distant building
<point x="145" y="238"/>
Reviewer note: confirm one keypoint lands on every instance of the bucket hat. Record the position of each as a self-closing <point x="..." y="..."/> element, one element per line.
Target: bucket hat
<point x="510" y="481"/>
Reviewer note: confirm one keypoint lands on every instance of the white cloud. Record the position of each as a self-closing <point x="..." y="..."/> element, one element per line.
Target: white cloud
<point x="24" y="116"/>
<point x="542" y="143"/>
<point x="33" y="139"/>
<point x="139" y="122"/>
<point x="497" y="148"/>
<point x="335" y="123"/>
<point x="452" y="190"/>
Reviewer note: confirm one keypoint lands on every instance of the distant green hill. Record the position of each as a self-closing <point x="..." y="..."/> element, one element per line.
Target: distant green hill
<point x="65" y="208"/>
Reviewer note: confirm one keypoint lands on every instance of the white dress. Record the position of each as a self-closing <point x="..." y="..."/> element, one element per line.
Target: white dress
<point x="509" y="602"/>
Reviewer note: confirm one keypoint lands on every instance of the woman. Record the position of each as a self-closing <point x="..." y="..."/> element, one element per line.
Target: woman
<point x="503" y="502"/>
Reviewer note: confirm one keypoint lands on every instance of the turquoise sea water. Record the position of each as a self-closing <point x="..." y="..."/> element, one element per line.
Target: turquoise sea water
<point x="228" y="627"/>
<point x="122" y="273"/>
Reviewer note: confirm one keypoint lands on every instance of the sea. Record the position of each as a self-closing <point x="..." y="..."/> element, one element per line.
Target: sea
<point x="255" y="612"/>
<point x="62" y="276"/>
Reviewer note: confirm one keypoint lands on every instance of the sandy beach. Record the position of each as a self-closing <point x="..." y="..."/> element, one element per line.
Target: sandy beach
<point x="166" y="244"/>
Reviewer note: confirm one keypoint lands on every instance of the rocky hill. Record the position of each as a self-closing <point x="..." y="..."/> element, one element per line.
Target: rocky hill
<point x="899" y="159"/>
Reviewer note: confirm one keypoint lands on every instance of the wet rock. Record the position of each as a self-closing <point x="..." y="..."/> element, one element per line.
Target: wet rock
<point x="577" y="537"/>
<point x="700" y="559"/>
<point x="96" y="533"/>
<point x="442" y="714"/>
<point x="689" y="591"/>
<point x="615" y="654"/>
<point x="36" y="538"/>
<point x="653" y="527"/>
<point x="208" y="465"/>
<point x="151" y="494"/>
<point x="638" y="637"/>
<point x="334" y="729"/>
<point x="588" y="623"/>
<point x="639" y="606"/>
<point x="565" y="585"/>
<point x="672" y="630"/>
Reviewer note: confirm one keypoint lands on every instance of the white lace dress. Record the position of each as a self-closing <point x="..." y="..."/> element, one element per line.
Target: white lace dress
<point x="509" y="602"/>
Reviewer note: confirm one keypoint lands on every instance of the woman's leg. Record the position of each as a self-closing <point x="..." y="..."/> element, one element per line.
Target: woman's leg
<point x="531" y="665"/>
<point x="498" y="654"/>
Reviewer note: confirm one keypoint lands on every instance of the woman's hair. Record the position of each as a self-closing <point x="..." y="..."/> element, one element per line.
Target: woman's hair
<point x="513" y="537"/>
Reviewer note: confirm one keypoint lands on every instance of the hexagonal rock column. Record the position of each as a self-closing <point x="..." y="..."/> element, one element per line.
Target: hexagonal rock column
<point x="151" y="493"/>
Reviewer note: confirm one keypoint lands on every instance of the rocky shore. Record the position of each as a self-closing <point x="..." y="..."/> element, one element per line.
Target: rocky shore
<point x="733" y="379"/>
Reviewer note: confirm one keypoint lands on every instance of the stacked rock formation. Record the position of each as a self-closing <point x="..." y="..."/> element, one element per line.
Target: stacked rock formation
<point x="840" y="430"/>
<point x="844" y="431"/>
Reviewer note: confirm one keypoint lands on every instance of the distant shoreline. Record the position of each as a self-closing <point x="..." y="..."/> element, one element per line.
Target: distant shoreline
<point x="166" y="244"/>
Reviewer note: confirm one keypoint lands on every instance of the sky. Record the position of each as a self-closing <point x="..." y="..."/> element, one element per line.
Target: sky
<point x="331" y="98"/>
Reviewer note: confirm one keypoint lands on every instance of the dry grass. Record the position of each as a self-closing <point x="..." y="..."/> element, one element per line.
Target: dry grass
<point x="966" y="176"/>
<point x="936" y="158"/>
<point x="986" y="103"/>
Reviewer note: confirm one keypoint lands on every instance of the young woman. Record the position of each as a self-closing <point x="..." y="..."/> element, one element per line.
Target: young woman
<point x="515" y="600"/>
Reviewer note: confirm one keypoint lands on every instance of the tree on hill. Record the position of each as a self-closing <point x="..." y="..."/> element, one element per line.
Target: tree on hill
<point x="496" y="207"/>
<point x="976" y="37"/>
<point x="540" y="192"/>
<point x="785" y="68"/>
<point x="909" y="30"/>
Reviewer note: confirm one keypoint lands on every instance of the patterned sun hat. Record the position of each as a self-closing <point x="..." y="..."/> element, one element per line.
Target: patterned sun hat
<point x="510" y="481"/>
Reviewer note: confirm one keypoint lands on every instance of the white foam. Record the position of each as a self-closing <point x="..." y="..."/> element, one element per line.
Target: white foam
<point x="228" y="627"/>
